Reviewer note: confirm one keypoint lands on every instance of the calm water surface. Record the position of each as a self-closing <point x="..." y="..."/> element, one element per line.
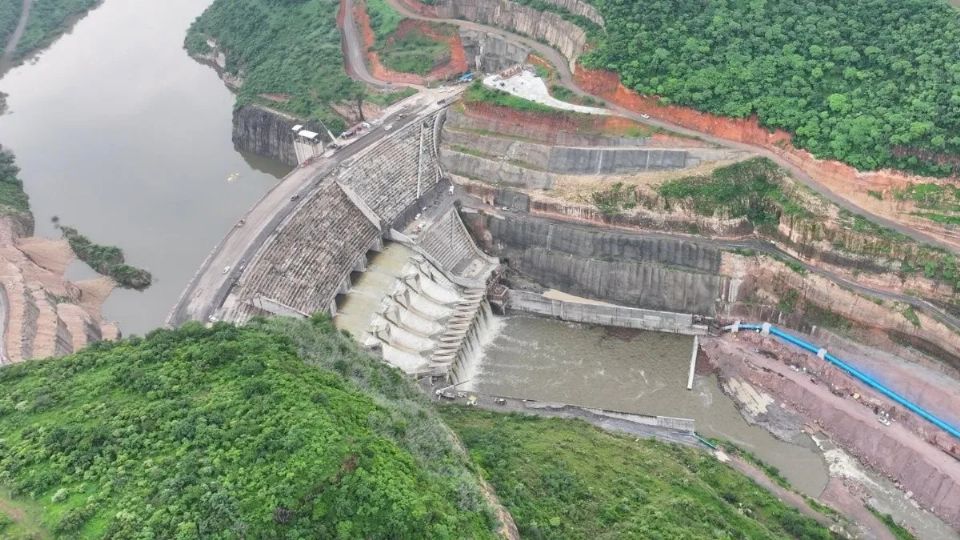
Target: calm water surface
<point x="120" y="134"/>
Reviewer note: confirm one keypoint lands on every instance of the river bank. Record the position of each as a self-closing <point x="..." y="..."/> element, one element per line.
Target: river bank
<point x="132" y="154"/>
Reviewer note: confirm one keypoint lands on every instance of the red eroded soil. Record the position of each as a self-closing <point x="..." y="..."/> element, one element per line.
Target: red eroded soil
<point x="838" y="176"/>
<point x="547" y="127"/>
<point x="456" y="65"/>
<point x="910" y="451"/>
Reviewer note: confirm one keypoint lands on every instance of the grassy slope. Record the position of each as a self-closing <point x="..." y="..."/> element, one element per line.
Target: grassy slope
<point x="49" y="19"/>
<point x="227" y="432"/>
<point x="566" y="479"/>
<point x="290" y="48"/>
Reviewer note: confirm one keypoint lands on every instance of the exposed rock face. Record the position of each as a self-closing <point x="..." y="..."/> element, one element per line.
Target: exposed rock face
<point x="495" y="172"/>
<point x="46" y="315"/>
<point x="905" y="451"/>
<point x="265" y="132"/>
<point x="579" y="7"/>
<point x="491" y="52"/>
<point x="630" y="270"/>
<point x="565" y="36"/>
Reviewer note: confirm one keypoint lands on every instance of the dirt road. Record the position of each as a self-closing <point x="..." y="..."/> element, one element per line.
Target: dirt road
<point x="6" y="59"/>
<point x="567" y="80"/>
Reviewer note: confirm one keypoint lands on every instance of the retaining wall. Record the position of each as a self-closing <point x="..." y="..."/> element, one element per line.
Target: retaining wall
<point x="494" y="172"/>
<point x="585" y="159"/>
<point x="630" y="270"/>
<point x="607" y="315"/>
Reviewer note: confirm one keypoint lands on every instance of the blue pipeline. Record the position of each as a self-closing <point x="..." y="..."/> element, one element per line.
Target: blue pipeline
<point x="868" y="380"/>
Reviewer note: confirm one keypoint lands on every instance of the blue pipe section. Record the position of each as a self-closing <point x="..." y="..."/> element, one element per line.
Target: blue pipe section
<point x="863" y="377"/>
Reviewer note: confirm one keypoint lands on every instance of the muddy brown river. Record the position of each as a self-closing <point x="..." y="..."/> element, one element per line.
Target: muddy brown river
<point x="120" y="134"/>
<point x="636" y="372"/>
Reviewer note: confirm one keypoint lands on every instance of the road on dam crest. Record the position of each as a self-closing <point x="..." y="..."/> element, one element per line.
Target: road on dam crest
<point x="223" y="267"/>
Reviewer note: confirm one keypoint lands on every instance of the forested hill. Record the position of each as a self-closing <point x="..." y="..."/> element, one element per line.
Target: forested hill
<point x="48" y="20"/>
<point x="288" y="49"/>
<point x="873" y="83"/>
<point x="228" y="433"/>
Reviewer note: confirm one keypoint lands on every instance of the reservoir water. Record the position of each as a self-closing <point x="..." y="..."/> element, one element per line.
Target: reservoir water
<point x="123" y="136"/>
<point x="629" y="371"/>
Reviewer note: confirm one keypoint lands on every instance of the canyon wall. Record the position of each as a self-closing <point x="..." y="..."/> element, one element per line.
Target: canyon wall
<point x="491" y="53"/>
<point x="545" y="26"/>
<point x="581" y="8"/>
<point x="265" y="132"/>
<point x="629" y="270"/>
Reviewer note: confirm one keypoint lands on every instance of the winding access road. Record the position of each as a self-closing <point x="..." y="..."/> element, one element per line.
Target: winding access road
<point x="567" y="80"/>
<point x="354" y="56"/>
<point x="5" y="60"/>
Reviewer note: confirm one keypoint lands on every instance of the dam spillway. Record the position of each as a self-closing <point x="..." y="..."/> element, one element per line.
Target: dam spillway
<point x="419" y="305"/>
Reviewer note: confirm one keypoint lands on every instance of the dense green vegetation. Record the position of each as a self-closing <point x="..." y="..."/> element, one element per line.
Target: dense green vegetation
<point x="753" y="189"/>
<point x="48" y="19"/>
<point x="286" y="47"/>
<point x="384" y="20"/>
<point x="872" y="83"/>
<point x="107" y="260"/>
<point x="12" y="197"/>
<point x="9" y="16"/>
<point x="566" y="479"/>
<point x="229" y="433"/>
<point x="413" y="53"/>
<point x="478" y="93"/>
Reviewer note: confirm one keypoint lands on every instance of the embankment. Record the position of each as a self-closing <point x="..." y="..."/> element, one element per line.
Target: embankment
<point x="909" y="451"/>
<point x="629" y="270"/>
<point x="546" y="26"/>
<point x="841" y="179"/>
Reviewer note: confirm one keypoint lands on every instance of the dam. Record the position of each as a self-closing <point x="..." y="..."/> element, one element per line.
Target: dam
<point x="379" y="237"/>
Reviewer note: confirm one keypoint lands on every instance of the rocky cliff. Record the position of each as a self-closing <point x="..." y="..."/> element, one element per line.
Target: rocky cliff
<point x="46" y="315"/>
<point x="565" y="36"/>
<point x="630" y="270"/>
<point x="265" y="132"/>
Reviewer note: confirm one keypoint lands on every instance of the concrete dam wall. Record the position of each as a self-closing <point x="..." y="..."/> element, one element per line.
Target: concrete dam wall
<point x="626" y="269"/>
<point x="605" y="315"/>
<point x="308" y="259"/>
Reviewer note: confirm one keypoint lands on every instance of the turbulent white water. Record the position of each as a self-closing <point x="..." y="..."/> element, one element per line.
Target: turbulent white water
<point x="628" y="371"/>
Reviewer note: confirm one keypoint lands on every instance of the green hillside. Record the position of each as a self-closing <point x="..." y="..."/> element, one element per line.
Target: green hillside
<point x="9" y="15"/>
<point x="872" y="83"/>
<point x="228" y="433"/>
<point x="282" y="47"/>
<point x="567" y="479"/>
<point x="48" y="19"/>
<point x="283" y="429"/>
